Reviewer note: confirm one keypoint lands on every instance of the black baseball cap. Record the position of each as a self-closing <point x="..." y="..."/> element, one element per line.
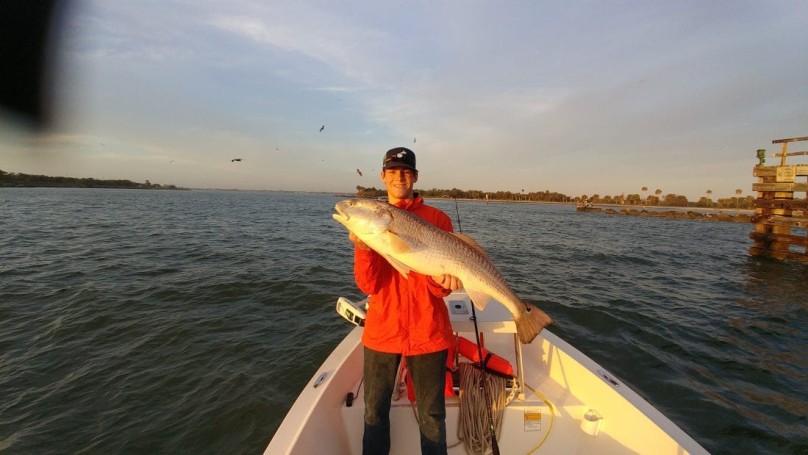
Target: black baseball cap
<point x="399" y="157"/>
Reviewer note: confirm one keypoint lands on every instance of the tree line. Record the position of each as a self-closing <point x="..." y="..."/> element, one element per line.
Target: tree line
<point x="543" y="196"/>
<point x="9" y="179"/>
<point x="657" y="199"/>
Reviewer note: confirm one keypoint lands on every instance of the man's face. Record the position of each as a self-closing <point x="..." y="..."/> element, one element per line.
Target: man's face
<point x="399" y="183"/>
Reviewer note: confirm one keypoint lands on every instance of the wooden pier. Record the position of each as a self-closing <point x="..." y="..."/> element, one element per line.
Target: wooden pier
<point x="781" y="207"/>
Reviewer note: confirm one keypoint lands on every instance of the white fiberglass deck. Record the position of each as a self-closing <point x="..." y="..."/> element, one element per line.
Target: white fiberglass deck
<point x="321" y="422"/>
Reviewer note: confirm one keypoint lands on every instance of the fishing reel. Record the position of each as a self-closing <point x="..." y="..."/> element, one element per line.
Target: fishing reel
<point x="353" y="312"/>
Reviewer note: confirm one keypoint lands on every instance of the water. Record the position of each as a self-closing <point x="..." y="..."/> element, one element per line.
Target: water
<point x="139" y="321"/>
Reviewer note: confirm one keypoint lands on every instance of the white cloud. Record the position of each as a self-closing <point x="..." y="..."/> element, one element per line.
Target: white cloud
<point x="575" y="97"/>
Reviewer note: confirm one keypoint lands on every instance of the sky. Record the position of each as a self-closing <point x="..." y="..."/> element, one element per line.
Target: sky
<point x="577" y="97"/>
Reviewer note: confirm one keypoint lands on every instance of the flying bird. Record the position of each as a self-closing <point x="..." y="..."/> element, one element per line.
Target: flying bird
<point x="359" y="172"/>
<point x="322" y="128"/>
<point x="235" y="159"/>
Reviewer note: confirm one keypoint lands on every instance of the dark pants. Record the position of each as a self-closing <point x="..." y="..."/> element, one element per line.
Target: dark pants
<point x="428" y="377"/>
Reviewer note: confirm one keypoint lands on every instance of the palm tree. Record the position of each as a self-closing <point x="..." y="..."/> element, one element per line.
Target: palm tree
<point x="738" y="193"/>
<point x="644" y="190"/>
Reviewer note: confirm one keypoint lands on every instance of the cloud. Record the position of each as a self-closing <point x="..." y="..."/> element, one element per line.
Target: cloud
<point x="588" y="96"/>
<point x="314" y="33"/>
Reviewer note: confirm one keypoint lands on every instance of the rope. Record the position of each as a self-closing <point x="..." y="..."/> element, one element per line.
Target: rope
<point x="478" y="390"/>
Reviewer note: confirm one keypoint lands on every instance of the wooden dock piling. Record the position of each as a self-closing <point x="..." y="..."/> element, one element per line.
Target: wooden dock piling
<point x="781" y="207"/>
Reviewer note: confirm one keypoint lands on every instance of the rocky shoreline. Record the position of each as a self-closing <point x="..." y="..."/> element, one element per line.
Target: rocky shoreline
<point x="675" y="214"/>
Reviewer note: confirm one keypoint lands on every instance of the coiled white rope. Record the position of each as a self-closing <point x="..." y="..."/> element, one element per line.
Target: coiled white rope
<point x="479" y="389"/>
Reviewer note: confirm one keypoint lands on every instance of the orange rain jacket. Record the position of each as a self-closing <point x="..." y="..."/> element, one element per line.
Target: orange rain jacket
<point x="406" y="316"/>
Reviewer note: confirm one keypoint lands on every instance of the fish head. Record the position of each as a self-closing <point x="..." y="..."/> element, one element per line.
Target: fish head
<point x="363" y="217"/>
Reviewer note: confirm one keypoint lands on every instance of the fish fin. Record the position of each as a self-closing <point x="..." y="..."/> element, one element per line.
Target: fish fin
<point x="470" y="241"/>
<point x="398" y="265"/>
<point x="478" y="298"/>
<point x="531" y="322"/>
<point x="397" y="244"/>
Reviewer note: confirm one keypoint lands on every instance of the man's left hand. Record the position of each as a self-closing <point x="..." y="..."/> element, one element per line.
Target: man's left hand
<point x="448" y="281"/>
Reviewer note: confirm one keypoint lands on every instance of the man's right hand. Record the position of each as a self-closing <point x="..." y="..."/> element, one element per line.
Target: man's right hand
<point x="358" y="242"/>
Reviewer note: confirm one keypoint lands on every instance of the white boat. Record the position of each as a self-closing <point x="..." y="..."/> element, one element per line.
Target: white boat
<point x="562" y="402"/>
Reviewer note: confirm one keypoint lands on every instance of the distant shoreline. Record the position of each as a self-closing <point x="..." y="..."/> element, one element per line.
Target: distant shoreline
<point x="103" y="187"/>
<point x="679" y="213"/>
<point x="14" y="180"/>
<point x="603" y="207"/>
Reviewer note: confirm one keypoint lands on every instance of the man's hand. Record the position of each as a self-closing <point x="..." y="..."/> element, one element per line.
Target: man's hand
<point x="358" y="242"/>
<point x="448" y="282"/>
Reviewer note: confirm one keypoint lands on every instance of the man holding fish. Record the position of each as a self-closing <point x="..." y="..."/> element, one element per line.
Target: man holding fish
<point x="407" y="259"/>
<point x="406" y="317"/>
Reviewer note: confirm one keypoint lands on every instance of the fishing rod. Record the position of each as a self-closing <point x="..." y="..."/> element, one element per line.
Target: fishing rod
<point x="481" y="365"/>
<point x="457" y="212"/>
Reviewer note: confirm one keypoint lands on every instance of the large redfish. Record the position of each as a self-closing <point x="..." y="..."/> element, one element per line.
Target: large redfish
<point x="410" y="243"/>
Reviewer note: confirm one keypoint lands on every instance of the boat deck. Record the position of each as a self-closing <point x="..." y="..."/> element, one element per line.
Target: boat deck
<point x="322" y="422"/>
<point x="525" y="422"/>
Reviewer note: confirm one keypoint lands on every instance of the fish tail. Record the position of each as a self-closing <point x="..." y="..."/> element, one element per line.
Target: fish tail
<point x="531" y="322"/>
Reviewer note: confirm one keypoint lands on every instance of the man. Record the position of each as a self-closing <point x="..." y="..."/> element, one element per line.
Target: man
<point x="406" y="317"/>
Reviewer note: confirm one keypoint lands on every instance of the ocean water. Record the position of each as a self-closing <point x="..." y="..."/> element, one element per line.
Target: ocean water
<point x="137" y="321"/>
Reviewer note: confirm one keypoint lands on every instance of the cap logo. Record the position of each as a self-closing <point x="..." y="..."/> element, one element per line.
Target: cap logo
<point x="399" y="156"/>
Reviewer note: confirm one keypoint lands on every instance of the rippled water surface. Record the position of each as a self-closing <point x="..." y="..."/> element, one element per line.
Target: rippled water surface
<point x="139" y="321"/>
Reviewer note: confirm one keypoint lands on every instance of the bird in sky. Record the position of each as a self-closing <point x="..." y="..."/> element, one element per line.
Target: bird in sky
<point x="235" y="159"/>
<point x="322" y="128"/>
<point x="359" y="172"/>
